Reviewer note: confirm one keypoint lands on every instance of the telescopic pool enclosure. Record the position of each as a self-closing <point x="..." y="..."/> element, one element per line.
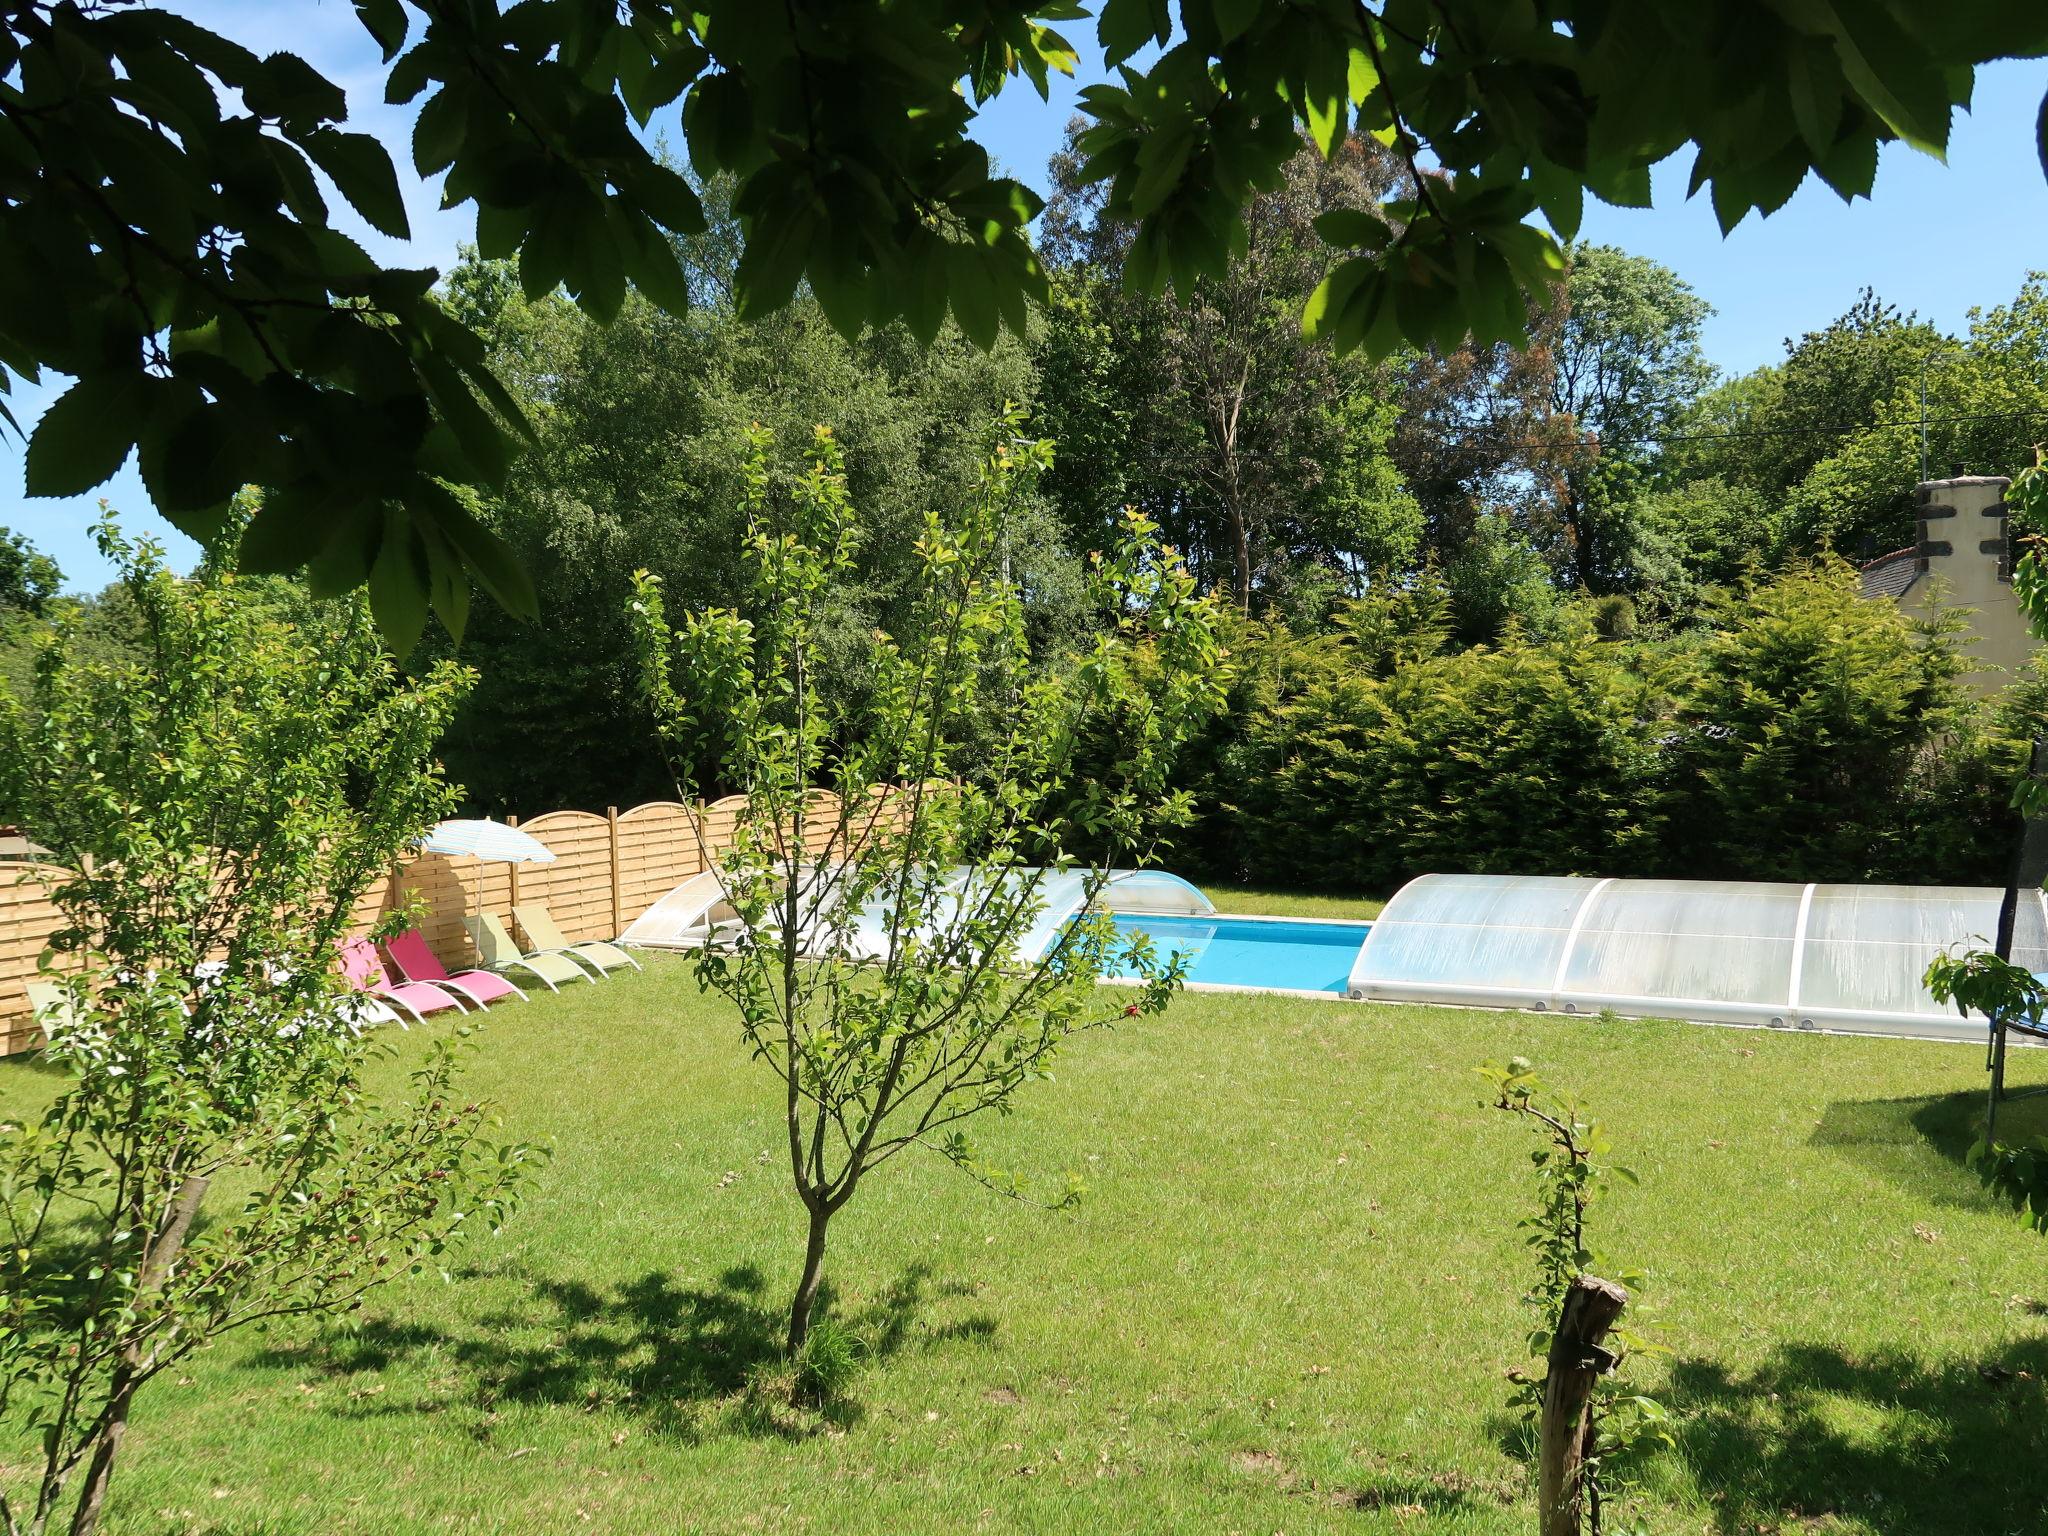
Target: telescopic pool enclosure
<point x="1843" y="957"/>
<point x="1828" y="957"/>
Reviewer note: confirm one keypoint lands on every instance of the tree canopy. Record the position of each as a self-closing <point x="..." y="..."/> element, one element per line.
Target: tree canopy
<point x="165" y="241"/>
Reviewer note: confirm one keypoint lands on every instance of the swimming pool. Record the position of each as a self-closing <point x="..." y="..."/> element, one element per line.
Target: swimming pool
<point x="1286" y="953"/>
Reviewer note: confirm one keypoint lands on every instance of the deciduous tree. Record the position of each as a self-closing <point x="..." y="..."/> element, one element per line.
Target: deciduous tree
<point x="888" y="966"/>
<point x="216" y="1153"/>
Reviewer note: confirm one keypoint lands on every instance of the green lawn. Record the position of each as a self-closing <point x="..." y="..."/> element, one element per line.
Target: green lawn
<point x="1286" y="1306"/>
<point x="1248" y="901"/>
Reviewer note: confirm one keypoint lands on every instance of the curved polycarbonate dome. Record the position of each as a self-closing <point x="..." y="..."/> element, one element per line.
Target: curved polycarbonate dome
<point x="1846" y="957"/>
<point x="1150" y="892"/>
<point x="695" y="910"/>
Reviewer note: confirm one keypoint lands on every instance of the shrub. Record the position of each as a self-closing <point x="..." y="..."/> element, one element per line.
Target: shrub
<point x="1823" y="737"/>
<point x="1527" y="759"/>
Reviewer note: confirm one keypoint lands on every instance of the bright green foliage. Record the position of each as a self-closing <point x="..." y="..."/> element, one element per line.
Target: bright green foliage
<point x="2026" y="501"/>
<point x="1262" y="456"/>
<point x="1807" y="697"/>
<point x="1525" y="758"/>
<point x="28" y="577"/>
<point x="1767" y="431"/>
<point x="641" y="431"/>
<point x="1691" y="536"/>
<point x="1573" y="1170"/>
<point x="1987" y="397"/>
<point x="1357" y="760"/>
<point x="886" y="1042"/>
<point x="1626" y="364"/>
<point x="1497" y="582"/>
<point x="221" y="799"/>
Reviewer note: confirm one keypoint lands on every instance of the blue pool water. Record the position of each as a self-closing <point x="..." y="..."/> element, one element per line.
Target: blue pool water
<point x="1255" y="952"/>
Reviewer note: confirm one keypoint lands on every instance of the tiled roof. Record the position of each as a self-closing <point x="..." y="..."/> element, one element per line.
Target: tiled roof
<point x="1892" y="575"/>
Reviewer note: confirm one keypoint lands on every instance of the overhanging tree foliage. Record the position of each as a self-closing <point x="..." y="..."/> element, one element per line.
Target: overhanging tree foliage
<point x="165" y="241"/>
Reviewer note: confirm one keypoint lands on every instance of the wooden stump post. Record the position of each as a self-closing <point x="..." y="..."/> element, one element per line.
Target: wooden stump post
<point x="1591" y="1307"/>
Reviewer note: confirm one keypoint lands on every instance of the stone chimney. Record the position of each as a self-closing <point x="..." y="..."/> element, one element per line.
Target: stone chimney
<point x="1966" y="550"/>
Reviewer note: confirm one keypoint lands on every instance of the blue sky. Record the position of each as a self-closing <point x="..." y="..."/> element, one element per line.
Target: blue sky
<point x="1934" y="238"/>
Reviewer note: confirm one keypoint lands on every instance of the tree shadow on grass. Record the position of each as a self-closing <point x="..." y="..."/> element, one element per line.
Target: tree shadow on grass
<point x="1921" y="1144"/>
<point x="1890" y="1442"/>
<point x="692" y="1359"/>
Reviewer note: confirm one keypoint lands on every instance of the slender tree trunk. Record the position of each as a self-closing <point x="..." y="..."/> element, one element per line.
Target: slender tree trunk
<point x="92" y="1500"/>
<point x="807" y="1288"/>
<point x="1241" y="556"/>
<point x="131" y="1369"/>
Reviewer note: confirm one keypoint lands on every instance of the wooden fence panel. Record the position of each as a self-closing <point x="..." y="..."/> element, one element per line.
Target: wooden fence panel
<point x="27" y="919"/>
<point x="607" y="871"/>
<point x="657" y="852"/>
<point x="577" y="887"/>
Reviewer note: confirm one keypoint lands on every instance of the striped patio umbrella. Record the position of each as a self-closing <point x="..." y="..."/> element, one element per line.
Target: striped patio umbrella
<point x="491" y="841"/>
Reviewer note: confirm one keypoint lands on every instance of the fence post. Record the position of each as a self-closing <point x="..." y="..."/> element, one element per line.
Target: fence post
<point x="512" y="872"/>
<point x="611" y="827"/>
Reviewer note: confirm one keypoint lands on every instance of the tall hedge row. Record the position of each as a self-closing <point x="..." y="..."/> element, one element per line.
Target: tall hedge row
<point x="1805" y="734"/>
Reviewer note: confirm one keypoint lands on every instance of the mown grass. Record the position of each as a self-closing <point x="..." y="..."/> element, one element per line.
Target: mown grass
<point x="1253" y="901"/>
<point x="1287" y="1304"/>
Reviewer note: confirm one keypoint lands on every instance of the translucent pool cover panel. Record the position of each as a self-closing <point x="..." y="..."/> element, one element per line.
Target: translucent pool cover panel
<point x="1819" y="956"/>
<point x="1867" y="946"/>
<point x="1719" y="942"/>
<point x="1475" y="934"/>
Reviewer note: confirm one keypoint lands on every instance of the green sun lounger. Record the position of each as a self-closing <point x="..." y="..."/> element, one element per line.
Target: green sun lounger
<point x="499" y="953"/>
<point x="548" y="938"/>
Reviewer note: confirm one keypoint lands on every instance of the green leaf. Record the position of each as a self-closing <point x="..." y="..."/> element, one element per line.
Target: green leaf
<point x="489" y="558"/>
<point x="1894" y="75"/>
<point x="1125" y="26"/>
<point x="437" y="132"/>
<point x="1353" y="229"/>
<point x="363" y="172"/>
<point x="289" y="529"/>
<point x="385" y="21"/>
<point x="773" y="262"/>
<point x="669" y="199"/>
<point x="86" y="433"/>
<point x="972" y="291"/>
<point x="193" y="465"/>
<point x="398" y="585"/>
<point x="1234" y="17"/>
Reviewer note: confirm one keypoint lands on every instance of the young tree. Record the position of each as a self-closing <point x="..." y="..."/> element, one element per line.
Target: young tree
<point x="216" y="1155"/>
<point x="888" y="967"/>
<point x="164" y="238"/>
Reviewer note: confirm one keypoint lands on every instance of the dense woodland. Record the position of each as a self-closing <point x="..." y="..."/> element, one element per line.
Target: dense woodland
<point x="1590" y="606"/>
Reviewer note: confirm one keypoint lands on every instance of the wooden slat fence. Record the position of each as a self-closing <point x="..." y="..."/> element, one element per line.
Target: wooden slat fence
<point x="607" y="871"/>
